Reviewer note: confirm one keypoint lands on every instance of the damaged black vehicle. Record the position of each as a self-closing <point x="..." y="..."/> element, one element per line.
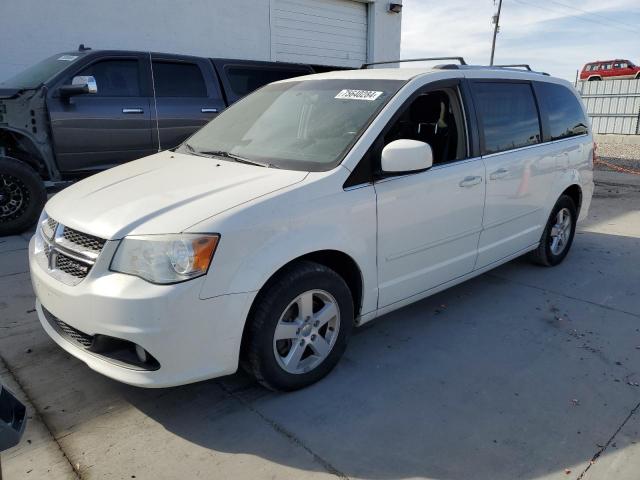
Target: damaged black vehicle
<point x="77" y="113"/>
<point x="26" y="156"/>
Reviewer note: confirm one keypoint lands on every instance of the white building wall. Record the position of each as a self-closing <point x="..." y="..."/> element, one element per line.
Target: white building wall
<point x="31" y="30"/>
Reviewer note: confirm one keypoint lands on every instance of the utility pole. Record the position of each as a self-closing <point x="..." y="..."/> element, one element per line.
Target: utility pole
<point x="496" y="28"/>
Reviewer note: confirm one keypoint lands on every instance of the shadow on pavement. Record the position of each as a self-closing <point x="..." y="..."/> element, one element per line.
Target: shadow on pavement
<point x="520" y="373"/>
<point x="515" y="374"/>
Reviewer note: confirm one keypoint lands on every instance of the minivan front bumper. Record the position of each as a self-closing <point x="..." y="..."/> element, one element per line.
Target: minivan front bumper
<point x="191" y="339"/>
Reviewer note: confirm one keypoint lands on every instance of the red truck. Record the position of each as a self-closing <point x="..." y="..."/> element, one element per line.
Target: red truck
<point x="605" y="69"/>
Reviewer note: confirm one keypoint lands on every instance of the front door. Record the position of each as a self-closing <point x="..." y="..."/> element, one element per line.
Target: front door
<point x="429" y="222"/>
<point x="112" y="126"/>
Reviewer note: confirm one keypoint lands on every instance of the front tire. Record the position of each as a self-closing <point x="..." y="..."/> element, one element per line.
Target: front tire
<point x="22" y="196"/>
<point x="558" y="234"/>
<point x="299" y="327"/>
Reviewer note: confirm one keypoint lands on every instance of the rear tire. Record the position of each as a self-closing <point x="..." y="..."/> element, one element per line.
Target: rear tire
<point x="558" y="234"/>
<point x="22" y="196"/>
<point x="299" y="327"/>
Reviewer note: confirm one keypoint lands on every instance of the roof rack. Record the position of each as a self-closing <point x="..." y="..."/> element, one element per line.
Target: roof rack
<point x="514" y="65"/>
<point x="459" y="59"/>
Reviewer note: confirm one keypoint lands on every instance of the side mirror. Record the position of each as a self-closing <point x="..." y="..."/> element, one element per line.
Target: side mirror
<point x="406" y="156"/>
<point x="79" y="85"/>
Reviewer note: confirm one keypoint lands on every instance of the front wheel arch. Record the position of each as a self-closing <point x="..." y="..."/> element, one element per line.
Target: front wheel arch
<point x="21" y="147"/>
<point x="341" y="263"/>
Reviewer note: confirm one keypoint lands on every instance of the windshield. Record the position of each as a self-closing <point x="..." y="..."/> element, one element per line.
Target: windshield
<point x="42" y="71"/>
<point x="298" y="125"/>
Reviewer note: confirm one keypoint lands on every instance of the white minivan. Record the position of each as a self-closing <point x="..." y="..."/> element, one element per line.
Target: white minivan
<point x="311" y="206"/>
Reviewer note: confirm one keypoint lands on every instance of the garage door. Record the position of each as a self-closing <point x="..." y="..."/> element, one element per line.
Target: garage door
<point x="323" y="32"/>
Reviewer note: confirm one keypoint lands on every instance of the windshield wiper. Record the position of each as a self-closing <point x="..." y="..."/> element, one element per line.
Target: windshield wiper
<point x="234" y="157"/>
<point x="227" y="155"/>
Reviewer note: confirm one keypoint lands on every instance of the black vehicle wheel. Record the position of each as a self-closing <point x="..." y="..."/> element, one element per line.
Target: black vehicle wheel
<point x="299" y="327"/>
<point x="22" y="196"/>
<point x="558" y="235"/>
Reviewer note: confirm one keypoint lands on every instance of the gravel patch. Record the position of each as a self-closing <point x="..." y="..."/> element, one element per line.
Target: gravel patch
<point x="619" y="155"/>
<point x="619" y="151"/>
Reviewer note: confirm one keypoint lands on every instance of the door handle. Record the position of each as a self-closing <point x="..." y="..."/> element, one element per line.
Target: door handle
<point x="132" y="110"/>
<point x="470" y="181"/>
<point x="498" y="174"/>
<point x="209" y="110"/>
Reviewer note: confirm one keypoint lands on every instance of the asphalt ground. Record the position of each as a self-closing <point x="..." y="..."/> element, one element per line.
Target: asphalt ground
<point x="524" y="372"/>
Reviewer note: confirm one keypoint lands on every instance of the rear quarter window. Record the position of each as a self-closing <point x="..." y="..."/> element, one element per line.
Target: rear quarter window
<point x="565" y="117"/>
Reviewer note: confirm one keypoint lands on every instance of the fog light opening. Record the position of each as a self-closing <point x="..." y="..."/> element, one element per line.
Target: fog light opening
<point x="141" y="353"/>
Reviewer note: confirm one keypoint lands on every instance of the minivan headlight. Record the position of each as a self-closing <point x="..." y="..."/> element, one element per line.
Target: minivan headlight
<point x="165" y="258"/>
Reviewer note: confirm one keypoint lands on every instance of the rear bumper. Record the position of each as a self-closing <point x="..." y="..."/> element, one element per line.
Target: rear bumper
<point x="588" y="187"/>
<point x="191" y="339"/>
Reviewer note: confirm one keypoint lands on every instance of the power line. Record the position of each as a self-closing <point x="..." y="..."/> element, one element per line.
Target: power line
<point x="595" y="14"/>
<point x="577" y="17"/>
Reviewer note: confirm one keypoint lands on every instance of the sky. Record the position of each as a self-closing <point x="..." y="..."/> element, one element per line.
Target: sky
<point x="554" y="36"/>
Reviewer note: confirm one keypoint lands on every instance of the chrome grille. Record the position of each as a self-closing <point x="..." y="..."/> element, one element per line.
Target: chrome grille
<point x="83" y="240"/>
<point x="71" y="266"/>
<point x="49" y="227"/>
<point x="68" y="254"/>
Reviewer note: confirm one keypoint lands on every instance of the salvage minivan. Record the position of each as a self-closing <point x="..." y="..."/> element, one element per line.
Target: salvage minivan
<point x="313" y="205"/>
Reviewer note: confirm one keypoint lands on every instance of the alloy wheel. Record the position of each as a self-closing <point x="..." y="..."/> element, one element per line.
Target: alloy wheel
<point x="306" y="331"/>
<point x="561" y="231"/>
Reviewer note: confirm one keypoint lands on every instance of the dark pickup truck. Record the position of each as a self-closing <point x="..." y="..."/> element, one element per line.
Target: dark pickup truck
<point x="79" y="112"/>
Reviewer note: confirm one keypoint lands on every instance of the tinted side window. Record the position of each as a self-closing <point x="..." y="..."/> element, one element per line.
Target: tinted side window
<point x="115" y="78"/>
<point x="177" y="79"/>
<point x="246" y="79"/>
<point x="509" y="116"/>
<point x="564" y="113"/>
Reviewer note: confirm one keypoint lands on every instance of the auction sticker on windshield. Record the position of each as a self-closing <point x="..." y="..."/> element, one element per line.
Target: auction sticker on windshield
<point x="348" y="94"/>
<point x="68" y="58"/>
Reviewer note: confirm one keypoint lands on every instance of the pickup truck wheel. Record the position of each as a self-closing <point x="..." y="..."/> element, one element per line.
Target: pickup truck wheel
<point x="558" y="234"/>
<point x="299" y="327"/>
<point x="22" y="196"/>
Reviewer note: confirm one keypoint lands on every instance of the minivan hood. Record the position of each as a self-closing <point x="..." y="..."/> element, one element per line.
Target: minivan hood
<point x="163" y="193"/>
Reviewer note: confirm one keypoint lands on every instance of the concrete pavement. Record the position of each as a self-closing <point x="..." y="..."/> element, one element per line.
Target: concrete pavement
<point x="524" y="372"/>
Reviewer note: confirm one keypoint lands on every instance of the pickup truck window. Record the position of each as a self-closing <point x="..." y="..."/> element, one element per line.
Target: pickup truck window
<point x="298" y="125"/>
<point x="115" y="78"/>
<point x="178" y="79"/>
<point x="245" y="79"/>
<point x="42" y="71"/>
